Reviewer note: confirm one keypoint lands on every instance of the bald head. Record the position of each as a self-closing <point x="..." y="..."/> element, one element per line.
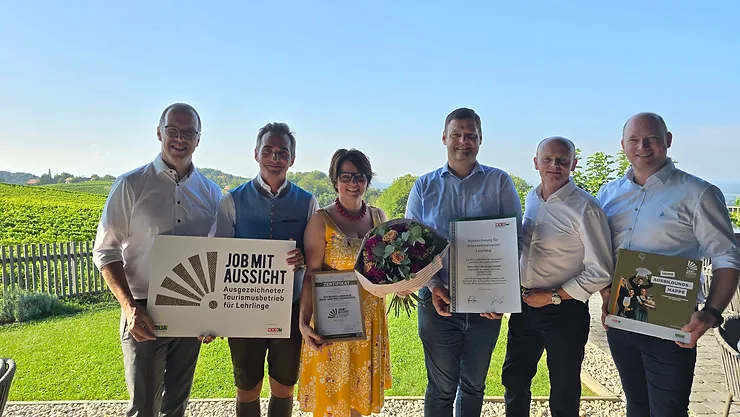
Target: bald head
<point x="647" y="117"/>
<point x="560" y="140"/>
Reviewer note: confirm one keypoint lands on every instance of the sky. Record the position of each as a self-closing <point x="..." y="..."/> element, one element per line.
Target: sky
<point x="83" y="83"/>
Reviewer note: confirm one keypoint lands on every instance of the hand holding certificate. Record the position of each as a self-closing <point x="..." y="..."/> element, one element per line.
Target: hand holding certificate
<point x="484" y="266"/>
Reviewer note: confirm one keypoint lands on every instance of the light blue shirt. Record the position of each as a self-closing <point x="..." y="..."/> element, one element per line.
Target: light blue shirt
<point x="675" y="214"/>
<point x="439" y="196"/>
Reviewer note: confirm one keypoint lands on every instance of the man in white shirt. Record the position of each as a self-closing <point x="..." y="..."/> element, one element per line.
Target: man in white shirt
<point x="567" y="256"/>
<point x="168" y="196"/>
<point x="269" y="207"/>
<point x="658" y="208"/>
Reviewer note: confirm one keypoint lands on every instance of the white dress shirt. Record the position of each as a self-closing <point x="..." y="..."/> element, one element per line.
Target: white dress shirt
<point x="227" y="210"/>
<point x="566" y="242"/>
<point x="150" y="201"/>
<point x="674" y="214"/>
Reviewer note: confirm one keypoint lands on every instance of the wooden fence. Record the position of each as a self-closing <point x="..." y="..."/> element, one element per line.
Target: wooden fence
<point x="64" y="269"/>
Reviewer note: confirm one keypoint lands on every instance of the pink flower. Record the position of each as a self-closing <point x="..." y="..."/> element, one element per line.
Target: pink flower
<point x="400" y="228"/>
<point x="370" y="245"/>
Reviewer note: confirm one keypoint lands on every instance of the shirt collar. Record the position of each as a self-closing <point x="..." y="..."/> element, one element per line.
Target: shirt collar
<point x="562" y="193"/>
<point x="265" y="186"/>
<point x="662" y="175"/>
<point x="160" y="166"/>
<point x="476" y="168"/>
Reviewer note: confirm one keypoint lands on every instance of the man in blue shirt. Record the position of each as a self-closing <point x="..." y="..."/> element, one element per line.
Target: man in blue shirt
<point x="458" y="347"/>
<point x="661" y="209"/>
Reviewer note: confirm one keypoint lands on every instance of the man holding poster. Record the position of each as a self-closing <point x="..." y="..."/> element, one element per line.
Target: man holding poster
<point x="168" y="196"/>
<point x="458" y="346"/>
<point x="660" y="209"/>
<point x="269" y="207"/>
<point x="567" y="256"/>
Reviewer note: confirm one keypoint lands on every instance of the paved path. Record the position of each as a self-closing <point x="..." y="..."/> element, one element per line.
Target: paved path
<point x="709" y="390"/>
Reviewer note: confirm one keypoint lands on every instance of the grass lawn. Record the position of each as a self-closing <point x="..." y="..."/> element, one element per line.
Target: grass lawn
<point x="79" y="358"/>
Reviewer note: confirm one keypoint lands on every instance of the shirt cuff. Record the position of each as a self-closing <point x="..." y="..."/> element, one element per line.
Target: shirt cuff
<point x="101" y="259"/>
<point x="574" y="290"/>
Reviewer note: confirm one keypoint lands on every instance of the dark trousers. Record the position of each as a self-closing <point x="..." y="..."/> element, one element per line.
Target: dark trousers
<point x="159" y="373"/>
<point x="656" y="373"/>
<point x="563" y="331"/>
<point x="457" y="355"/>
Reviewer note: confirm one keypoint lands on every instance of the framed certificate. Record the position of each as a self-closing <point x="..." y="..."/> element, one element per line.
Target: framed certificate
<point x="338" y="314"/>
<point x="484" y="265"/>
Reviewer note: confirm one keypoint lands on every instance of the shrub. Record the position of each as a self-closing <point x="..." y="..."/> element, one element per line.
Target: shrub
<point x="21" y="305"/>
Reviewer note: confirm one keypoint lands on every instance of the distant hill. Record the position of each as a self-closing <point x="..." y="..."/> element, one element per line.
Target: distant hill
<point x="20" y="178"/>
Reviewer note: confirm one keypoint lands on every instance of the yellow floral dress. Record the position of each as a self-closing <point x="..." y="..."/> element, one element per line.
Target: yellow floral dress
<point x="347" y="375"/>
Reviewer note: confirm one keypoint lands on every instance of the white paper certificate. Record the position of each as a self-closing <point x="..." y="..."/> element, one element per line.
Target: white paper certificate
<point x="220" y="286"/>
<point x="484" y="266"/>
<point x="338" y="314"/>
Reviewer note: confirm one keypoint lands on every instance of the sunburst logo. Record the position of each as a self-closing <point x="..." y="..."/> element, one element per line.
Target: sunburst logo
<point x="190" y="292"/>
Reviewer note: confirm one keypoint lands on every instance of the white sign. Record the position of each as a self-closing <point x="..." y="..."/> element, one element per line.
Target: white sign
<point x="220" y="287"/>
<point x="484" y="266"/>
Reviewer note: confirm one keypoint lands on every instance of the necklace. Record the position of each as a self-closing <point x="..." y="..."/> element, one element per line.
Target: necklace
<point x="346" y="214"/>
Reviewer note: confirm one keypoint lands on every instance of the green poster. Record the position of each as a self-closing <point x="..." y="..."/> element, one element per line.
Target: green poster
<point x="654" y="294"/>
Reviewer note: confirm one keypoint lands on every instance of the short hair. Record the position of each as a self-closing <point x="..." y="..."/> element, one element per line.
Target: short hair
<point x="464" y="113"/>
<point x="656" y="117"/>
<point x="179" y="107"/>
<point x="354" y="156"/>
<point x="565" y="141"/>
<point x="279" y="129"/>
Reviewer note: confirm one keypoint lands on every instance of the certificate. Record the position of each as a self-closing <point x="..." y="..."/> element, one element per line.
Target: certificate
<point x="484" y="265"/>
<point x="221" y="287"/>
<point x="338" y="314"/>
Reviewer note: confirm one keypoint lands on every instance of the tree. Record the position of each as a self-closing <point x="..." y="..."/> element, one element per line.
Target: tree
<point x="393" y="199"/>
<point x="371" y="195"/>
<point x="599" y="171"/>
<point x="623" y="164"/>
<point x="522" y="188"/>
<point x="317" y="182"/>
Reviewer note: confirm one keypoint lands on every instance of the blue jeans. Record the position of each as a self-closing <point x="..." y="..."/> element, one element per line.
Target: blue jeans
<point x="656" y="374"/>
<point x="457" y="354"/>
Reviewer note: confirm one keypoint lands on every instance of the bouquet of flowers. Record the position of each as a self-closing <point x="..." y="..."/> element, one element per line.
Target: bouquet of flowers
<point x="397" y="256"/>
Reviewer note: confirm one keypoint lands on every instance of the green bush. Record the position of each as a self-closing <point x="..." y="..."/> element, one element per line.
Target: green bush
<point x="22" y="305"/>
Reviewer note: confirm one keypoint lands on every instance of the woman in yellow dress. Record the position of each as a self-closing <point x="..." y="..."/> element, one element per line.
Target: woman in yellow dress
<point x="346" y="378"/>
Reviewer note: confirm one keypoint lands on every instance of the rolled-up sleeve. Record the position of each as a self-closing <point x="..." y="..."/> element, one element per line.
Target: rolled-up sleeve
<point x="713" y="229"/>
<point x="598" y="263"/>
<point x="113" y="226"/>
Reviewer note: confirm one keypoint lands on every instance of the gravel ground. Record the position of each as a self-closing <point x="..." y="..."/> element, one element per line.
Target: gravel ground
<point x="224" y="408"/>
<point x="600" y="366"/>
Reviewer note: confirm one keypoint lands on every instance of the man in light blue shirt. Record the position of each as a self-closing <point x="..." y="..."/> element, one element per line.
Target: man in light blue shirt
<point x="458" y="347"/>
<point x="661" y="209"/>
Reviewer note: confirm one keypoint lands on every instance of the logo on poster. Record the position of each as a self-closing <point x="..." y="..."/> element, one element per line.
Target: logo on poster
<point x="187" y="291"/>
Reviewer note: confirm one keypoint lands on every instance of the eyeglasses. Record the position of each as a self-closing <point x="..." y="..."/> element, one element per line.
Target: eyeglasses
<point x="356" y="177"/>
<point x="174" y="132"/>
<point x="280" y="153"/>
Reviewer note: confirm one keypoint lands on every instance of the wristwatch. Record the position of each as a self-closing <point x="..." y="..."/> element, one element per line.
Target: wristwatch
<point x="556" y="297"/>
<point x="717" y="315"/>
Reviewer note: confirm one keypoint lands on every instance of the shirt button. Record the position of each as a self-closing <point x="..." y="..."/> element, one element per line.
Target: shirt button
<point x="178" y="202"/>
<point x="178" y="220"/>
<point x="636" y="209"/>
<point x="630" y="229"/>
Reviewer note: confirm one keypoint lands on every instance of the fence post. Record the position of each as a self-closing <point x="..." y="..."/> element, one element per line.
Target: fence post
<point x="12" y="266"/>
<point x="3" y="263"/>
<point x="49" y="287"/>
<point x="72" y="267"/>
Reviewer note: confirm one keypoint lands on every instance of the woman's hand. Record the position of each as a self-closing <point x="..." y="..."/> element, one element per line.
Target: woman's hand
<point x="311" y="338"/>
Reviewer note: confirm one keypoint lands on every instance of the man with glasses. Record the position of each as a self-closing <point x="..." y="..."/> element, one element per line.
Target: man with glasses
<point x="458" y="346"/>
<point x="168" y="196"/>
<point x="269" y="207"/>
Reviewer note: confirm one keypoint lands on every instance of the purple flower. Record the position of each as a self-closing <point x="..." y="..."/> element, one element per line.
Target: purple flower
<point x="400" y="228"/>
<point x="370" y="245"/>
<point x="375" y="275"/>
<point x="417" y="266"/>
<point x="417" y="250"/>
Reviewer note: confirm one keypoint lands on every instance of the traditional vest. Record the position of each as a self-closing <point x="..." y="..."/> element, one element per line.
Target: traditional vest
<point x="258" y="216"/>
